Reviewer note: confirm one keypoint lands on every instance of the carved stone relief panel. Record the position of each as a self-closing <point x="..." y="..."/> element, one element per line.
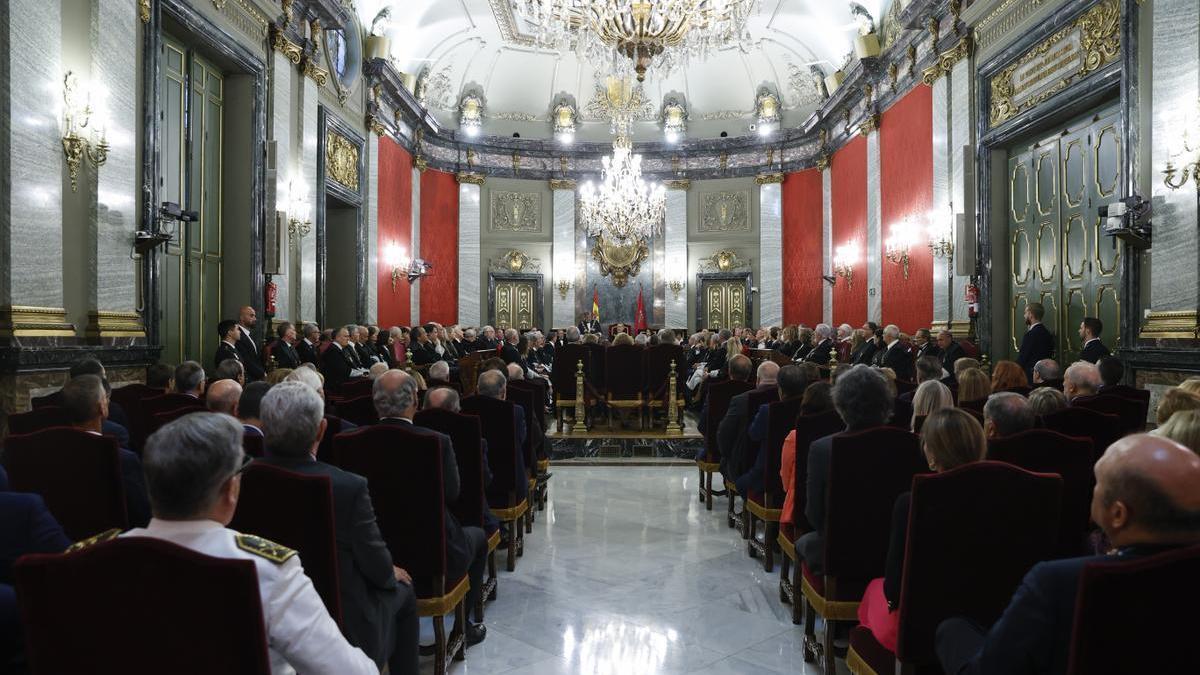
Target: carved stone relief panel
<point x="725" y="212"/>
<point x="341" y="160"/>
<point x="515" y="212"/>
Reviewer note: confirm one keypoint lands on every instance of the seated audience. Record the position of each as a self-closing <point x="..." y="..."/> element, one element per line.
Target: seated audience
<point x="733" y="437"/>
<point x="378" y="368"/>
<point x="193" y="472"/>
<point x="306" y="348"/>
<point x="1046" y="400"/>
<point x="1145" y="501"/>
<point x="1007" y="413"/>
<point x="1047" y="373"/>
<point x="950" y="438"/>
<point x="818" y="398"/>
<point x="792" y="380"/>
<point x="1172" y="401"/>
<point x="282" y="351"/>
<point x="1008" y="376"/>
<point x="223" y="396"/>
<point x="931" y="396"/>
<point x="861" y="396"/>
<point x="339" y="362"/>
<point x="1191" y="385"/>
<point x="26" y="526"/>
<point x="85" y="406"/>
<point x="117" y="423"/>
<point x="1081" y="379"/>
<point x="439" y="374"/>
<point x="1112" y="371"/>
<point x="951" y="352"/>
<point x="379" y="607"/>
<point x="190" y="380"/>
<point x="229" y="369"/>
<point x="964" y="363"/>
<point x="160" y="376"/>
<point x="894" y="354"/>
<point x="249" y="407"/>
<point x="279" y="375"/>
<point x="973" y="386"/>
<point x="1182" y="427"/>
<point x="739" y="369"/>
<point x="927" y="368"/>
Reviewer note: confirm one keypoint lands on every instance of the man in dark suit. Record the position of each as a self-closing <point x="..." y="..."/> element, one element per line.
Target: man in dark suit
<point x="307" y="348"/>
<point x="395" y="394"/>
<point x="26" y="526"/>
<point x="895" y="356"/>
<point x="1145" y="501"/>
<point x="587" y="324"/>
<point x="421" y="347"/>
<point x="866" y="351"/>
<point x="951" y="352"/>
<point x="285" y="354"/>
<point x="732" y="432"/>
<point x="249" y="408"/>
<point x="1089" y="333"/>
<point x="864" y="400"/>
<point x="820" y="352"/>
<point x="508" y="350"/>
<point x="227" y="348"/>
<point x="335" y="362"/>
<point x="925" y="344"/>
<point x="927" y="368"/>
<point x="379" y="607"/>
<point x="494" y="384"/>
<point x="247" y="347"/>
<point x="1038" y="342"/>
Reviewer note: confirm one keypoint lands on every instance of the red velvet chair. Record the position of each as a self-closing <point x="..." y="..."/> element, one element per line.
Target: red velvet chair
<point x="1045" y="451"/>
<point x="656" y="370"/>
<point x="527" y="399"/>
<point x="1074" y="421"/>
<point x="867" y="471"/>
<point x="532" y="396"/>
<point x="53" y="399"/>
<point x="252" y="445"/>
<point x="37" y="419"/>
<point x="596" y="364"/>
<point x="164" y="418"/>
<point x="754" y="399"/>
<point x="765" y="503"/>
<point x="77" y="473"/>
<point x="79" y="609"/>
<point x="1142" y="396"/>
<point x="404" y="472"/>
<point x="507" y="496"/>
<point x="1131" y="412"/>
<point x="467" y="436"/>
<point x="355" y="387"/>
<point x="808" y="429"/>
<point x="969" y="544"/>
<point x="716" y="404"/>
<point x="130" y="397"/>
<point x="563" y="376"/>
<point x="333" y="426"/>
<point x="159" y="404"/>
<point x="624" y="378"/>
<point x="902" y="414"/>
<point x="359" y="410"/>
<point x="294" y="510"/>
<point x="1136" y="590"/>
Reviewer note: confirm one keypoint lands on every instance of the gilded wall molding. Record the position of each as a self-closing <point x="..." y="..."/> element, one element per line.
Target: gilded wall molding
<point x="946" y="60"/>
<point x="341" y="160"/>
<point x="114" y="324"/>
<point x="282" y="44"/>
<point x="515" y="212"/>
<point x="375" y="124"/>
<point x="823" y="162"/>
<point x="144" y="10"/>
<point x="27" y="321"/>
<point x="1170" y="325"/>
<point x="871" y="123"/>
<point x="768" y="178"/>
<point x="468" y="178"/>
<point x="317" y="73"/>
<point x="678" y="184"/>
<point x="562" y="184"/>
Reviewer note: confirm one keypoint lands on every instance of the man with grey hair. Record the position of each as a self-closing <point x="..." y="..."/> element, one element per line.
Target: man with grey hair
<point x="376" y="370"/>
<point x="352" y="345"/>
<point x="338" y="362"/>
<point x="487" y="338"/>
<point x="894" y="355"/>
<point x="572" y="334"/>
<point x="514" y="371"/>
<point x="1081" y="379"/>
<point x="190" y="379"/>
<point x="379" y="605"/>
<point x="223" y="397"/>
<point x="640" y="339"/>
<point x="1006" y="413"/>
<point x="194" y="473"/>
<point x="732" y="437"/>
<point x="666" y="336"/>
<point x="864" y="400"/>
<point x="1047" y="373"/>
<point x="820" y="352"/>
<point x="439" y="372"/>
<point x="395" y="397"/>
<point x="309" y="377"/>
<point x="508" y="350"/>
<point x="306" y="348"/>
<point x="494" y="384"/>
<point x="230" y="369"/>
<point x="443" y="398"/>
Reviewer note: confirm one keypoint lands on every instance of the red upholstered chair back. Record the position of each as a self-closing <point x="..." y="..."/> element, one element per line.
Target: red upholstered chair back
<point x="404" y="471"/>
<point x="519" y="393"/>
<point x="716" y="403"/>
<point x="781" y="420"/>
<point x="333" y="427"/>
<point x="905" y="386"/>
<point x="467" y="436"/>
<point x="295" y="510"/>
<point x="623" y="371"/>
<point x="37" y="420"/>
<point x="808" y="429"/>
<point x="754" y="399"/>
<point x="1075" y="421"/>
<point x="163" y="418"/>
<point x="77" y="473"/>
<point x="355" y="387"/>
<point x="1137" y="589"/>
<point x="1130" y="411"/>
<point x="969" y="348"/>
<point x="151" y="407"/>
<point x="595" y="367"/>
<point x="902" y="413"/>
<point x="359" y="410"/>
<point x="973" y="533"/>
<point x="130" y="397"/>
<point x="867" y="471"/>
<point x="656" y="366"/>
<point x="1045" y="451"/>
<point x="496" y="421"/>
<point x="1023" y="391"/>
<point x="252" y="445"/>
<point x="1142" y="396"/>
<point x="541" y="390"/>
<point x="127" y="587"/>
<point x="562" y="374"/>
<point x="54" y="399"/>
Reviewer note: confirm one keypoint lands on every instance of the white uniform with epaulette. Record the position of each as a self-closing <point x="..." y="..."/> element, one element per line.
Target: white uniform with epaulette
<point x="301" y="636"/>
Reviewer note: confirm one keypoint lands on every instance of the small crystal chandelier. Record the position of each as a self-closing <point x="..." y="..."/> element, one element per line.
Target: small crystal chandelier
<point x="624" y="208"/>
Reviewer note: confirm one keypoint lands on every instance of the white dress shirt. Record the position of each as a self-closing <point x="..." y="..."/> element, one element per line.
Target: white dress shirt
<point x="301" y="636"/>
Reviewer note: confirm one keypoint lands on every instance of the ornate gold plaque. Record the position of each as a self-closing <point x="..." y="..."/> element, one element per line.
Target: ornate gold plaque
<point x="620" y="261"/>
<point x="341" y="160"/>
<point x="515" y="212"/>
<point x="725" y="212"/>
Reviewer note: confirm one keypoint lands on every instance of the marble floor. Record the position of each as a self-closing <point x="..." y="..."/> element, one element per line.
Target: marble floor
<point x="625" y="572"/>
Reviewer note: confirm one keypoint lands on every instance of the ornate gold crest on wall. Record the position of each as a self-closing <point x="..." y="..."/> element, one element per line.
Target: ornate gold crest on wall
<point x="620" y="261"/>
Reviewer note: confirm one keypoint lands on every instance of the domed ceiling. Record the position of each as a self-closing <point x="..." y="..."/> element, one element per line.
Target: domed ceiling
<point x="484" y="47"/>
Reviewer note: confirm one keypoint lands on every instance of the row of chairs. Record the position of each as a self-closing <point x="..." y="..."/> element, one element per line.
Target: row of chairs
<point x="624" y="377"/>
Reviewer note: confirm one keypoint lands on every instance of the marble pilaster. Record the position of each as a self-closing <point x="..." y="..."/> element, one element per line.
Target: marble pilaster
<point x="280" y="131"/>
<point x="941" y="192"/>
<point x="675" y="240"/>
<point x="770" y="254"/>
<point x="874" y="255"/>
<point x="961" y="134"/>
<point x="826" y="243"/>
<point x="372" y="248"/>
<point x="414" y="290"/>
<point x="469" y="293"/>
<point x="307" y="128"/>
<point x="564" y="255"/>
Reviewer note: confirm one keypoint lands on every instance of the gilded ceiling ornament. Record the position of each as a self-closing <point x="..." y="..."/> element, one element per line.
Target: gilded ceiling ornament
<point x="470" y="114"/>
<point x="285" y="46"/>
<point x="620" y="261"/>
<point x="566" y="118"/>
<point x="893" y="72"/>
<point x="871" y="123"/>
<point x="912" y="60"/>
<point x="341" y="160"/>
<point x="935" y="27"/>
<point x="767" y="108"/>
<point x="144" y="10"/>
<point x="725" y="260"/>
<point x="674" y="118"/>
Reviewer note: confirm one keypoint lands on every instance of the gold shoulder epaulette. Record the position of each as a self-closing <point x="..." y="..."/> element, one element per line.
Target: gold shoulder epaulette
<point x="265" y="548"/>
<point x="92" y="541"/>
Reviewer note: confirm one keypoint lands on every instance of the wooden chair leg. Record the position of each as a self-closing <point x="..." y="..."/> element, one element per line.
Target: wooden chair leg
<point x="769" y="546"/>
<point x="749" y="529"/>
<point x="558" y="414"/>
<point x="828" y="666"/>
<point x="810" y="627"/>
<point x="797" y="600"/>
<point x="700" y="490"/>
<point x="529" y="521"/>
<point x="439" y="645"/>
<point x="458" y="635"/>
<point x="492" y="582"/>
<point x="708" y="492"/>
<point x="784" y="563"/>
<point x="514" y="531"/>
<point x="730" y="514"/>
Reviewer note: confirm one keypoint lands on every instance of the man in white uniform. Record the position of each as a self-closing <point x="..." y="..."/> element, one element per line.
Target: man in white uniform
<point x="193" y="472"/>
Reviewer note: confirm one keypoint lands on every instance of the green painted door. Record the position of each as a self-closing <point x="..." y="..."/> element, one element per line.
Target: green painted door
<point x="1058" y="255"/>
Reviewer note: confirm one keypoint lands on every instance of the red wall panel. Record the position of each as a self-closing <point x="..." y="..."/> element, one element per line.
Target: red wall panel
<point x="906" y="187"/>
<point x="802" y="225"/>
<point x="439" y="247"/>
<point x="395" y="229"/>
<point x="848" y="195"/>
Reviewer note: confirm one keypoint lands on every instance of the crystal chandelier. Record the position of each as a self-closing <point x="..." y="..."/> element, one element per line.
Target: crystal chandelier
<point x="659" y="33"/>
<point x="624" y="208"/>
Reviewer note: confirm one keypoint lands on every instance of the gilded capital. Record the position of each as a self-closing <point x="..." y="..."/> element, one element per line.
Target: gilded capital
<point x="768" y="178"/>
<point x="678" y="184"/>
<point x="562" y="184"/>
<point x="470" y="178"/>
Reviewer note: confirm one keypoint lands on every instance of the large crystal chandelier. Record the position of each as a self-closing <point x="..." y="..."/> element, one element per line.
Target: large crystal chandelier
<point x="624" y="208"/>
<point x="659" y="33"/>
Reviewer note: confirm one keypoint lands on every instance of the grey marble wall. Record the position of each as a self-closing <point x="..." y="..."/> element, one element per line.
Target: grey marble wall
<point x="372" y="207"/>
<point x="414" y="289"/>
<point x="563" y="247"/>
<point x="962" y="127"/>
<point x="675" y="240"/>
<point x="32" y="176"/>
<point x="1175" y="90"/>
<point x="470" y="291"/>
<point x="826" y="243"/>
<point x="770" y="248"/>
<point x="307" y="143"/>
<point x="282" y="79"/>
<point x="941" y="191"/>
<point x="874" y="231"/>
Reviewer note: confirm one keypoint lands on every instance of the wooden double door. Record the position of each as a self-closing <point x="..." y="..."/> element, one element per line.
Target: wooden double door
<point x="516" y="301"/>
<point x="1059" y="256"/>
<point x="724" y="302"/>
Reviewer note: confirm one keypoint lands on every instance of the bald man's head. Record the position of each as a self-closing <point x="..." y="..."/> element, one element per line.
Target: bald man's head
<point x="223" y="396"/>
<point x="247" y="316"/>
<point x="1146" y="492"/>
<point x="442" y="397"/>
<point x="768" y="373"/>
<point x="515" y="372"/>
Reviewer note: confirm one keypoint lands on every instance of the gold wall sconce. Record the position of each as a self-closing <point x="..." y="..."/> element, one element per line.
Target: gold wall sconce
<point x="298" y="209"/>
<point x="1177" y="178"/>
<point x="901" y="239"/>
<point x="83" y="130"/>
<point x="676" y="286"/>
<point x="404" y="267"/>
<point x="941" y="236"/>
<point x="564" y="287"/>
<point x="843" y="262"/>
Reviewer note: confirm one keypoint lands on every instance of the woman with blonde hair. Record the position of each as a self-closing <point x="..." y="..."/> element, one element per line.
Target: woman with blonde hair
<point x="973" y="388"/>
<point x="733" y="347"/>
<point x="1173" y="401"/>
<point x="951" y="438"/>
<point x="1008" y="376"/>
<point x="1183" y="427"/>
<point x="931" y="397"/>
<point x="622" y="339"/>
<point x="1046" y="400"/>
<point x="1191" y="385"/>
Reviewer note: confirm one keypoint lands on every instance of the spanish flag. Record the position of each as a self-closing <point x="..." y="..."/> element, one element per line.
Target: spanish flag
<point x="595" y="304"/>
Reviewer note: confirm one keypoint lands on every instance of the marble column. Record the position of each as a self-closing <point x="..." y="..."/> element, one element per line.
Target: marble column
<point x="826" y="243"/>
<point x="372" y="248"/>
<point x="874" y="257"/>
<point x="414" y="234"/>
<point x="563" y="252"/>
<point x="961" y="175"/>
<point x="32" y="176"/>
<point x="282" y="79"/>
<point x="468" y="249"/>
<point x="770" y="250"/>
<point x="307" y="127"/>
<point x="675" y="241"/>
<point x="941" y="194"/>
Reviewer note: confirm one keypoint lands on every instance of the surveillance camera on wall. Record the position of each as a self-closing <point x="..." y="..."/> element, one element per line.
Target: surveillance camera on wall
<point x="753" y="127"/>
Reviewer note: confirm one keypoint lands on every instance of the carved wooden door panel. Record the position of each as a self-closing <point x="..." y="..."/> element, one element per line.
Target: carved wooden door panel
<point x="724" y="304"/>
<point x="515" y="304"/>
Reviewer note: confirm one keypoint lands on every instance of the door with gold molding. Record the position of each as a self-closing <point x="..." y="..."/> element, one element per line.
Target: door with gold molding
<point x="515" y="301"/>
<point x="724" y="302"/>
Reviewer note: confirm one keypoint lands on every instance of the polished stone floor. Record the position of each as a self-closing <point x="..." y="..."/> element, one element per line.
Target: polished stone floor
<point x="625" y="572"/>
